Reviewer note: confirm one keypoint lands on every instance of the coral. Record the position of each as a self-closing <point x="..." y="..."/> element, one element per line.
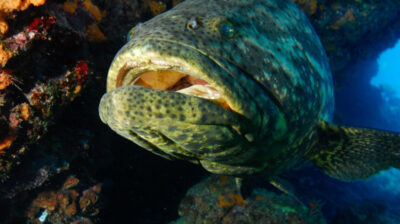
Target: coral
<point x="29" y="101"/>
<point x="5" y="55"/>
<point x="19" y="43"/>
<point x="65" y="205"/>
<point x="348" y="17"/>
<point x="7" y="7"/>
<point x="7" y="140"/>
<point x="70" y="182"/>
<point x="60" y="91"/>
<point x="308" y="6"/>
<point x="5" y="79"/>
<point x="32" y="175"/>
<point x="176" y="2"/>
<point x="70" y="6"/>
<point x="156" y="6"/>
<point x="94" y="10"/>
<point x="93" y="31"/>
<point x="24" y="111"/>
<point x="19" y="113"/>
<point x="2" y="100"/>
<point x="89" y="199"/>
<point x="44" y="96"/>
<point x="46" y="62"/>
<point x="217" y="200"/>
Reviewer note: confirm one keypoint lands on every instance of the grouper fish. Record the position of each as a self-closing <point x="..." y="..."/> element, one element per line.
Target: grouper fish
<point x="241" y="87"/>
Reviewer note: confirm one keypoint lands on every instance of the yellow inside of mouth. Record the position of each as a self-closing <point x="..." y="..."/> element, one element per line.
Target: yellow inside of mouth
<point x="181" y="83"/>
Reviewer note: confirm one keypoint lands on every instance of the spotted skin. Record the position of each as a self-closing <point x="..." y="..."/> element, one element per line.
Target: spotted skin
<point x="166" y="119"/>
<point x="263" y="56"/>
<point x="351" y="153"/>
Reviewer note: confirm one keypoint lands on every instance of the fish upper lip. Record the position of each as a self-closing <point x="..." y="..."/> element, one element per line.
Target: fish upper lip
<point x="136" y="67"/>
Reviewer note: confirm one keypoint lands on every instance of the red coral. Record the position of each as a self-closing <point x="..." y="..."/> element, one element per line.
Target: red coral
<point x="41" y="23"/>
<point x="82" y="70"/>
<point x="34" y="24"/>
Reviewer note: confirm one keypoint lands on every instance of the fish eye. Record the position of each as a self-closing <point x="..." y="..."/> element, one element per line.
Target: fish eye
<point x="133" y="31"/>
<point x="226" y="28"/>
<point x="194" y="23"/>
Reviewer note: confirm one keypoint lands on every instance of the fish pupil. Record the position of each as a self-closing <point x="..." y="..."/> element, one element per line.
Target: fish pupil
<point x="227" y="29"/>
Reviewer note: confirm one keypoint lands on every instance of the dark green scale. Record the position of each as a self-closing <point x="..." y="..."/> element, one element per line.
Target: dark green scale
<point x="264" y="57"/>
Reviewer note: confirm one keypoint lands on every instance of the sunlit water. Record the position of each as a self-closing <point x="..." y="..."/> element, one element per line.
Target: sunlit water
<point x="388" y="77"/>
<point x="388" y="81"/>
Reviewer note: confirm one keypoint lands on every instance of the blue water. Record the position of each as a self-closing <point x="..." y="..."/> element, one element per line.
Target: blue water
<point x="367" y="95"/>
<point x="386" y="186"/>
<point x="388" y="77"/>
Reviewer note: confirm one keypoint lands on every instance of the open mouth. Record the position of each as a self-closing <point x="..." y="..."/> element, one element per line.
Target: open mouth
<point x="170" y="80"/>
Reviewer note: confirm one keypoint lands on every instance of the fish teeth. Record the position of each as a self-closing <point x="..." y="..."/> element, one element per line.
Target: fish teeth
<point x="202" y="91"/>
<point x="206" y="92"/>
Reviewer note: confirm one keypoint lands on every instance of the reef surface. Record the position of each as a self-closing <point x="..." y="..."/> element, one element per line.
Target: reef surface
<point x="54" y="57"/>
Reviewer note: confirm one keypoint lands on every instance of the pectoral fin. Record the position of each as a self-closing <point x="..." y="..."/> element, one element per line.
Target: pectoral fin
<point x="350" y="153"/>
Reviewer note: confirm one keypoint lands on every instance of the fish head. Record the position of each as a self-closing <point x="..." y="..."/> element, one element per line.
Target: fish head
<point x="180" y="89"/>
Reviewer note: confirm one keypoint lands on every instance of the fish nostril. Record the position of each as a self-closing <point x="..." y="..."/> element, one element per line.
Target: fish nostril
<point x="194" y="23"/>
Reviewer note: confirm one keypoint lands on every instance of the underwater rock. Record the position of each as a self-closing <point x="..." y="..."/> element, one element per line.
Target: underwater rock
<point x="217" y="200"/>
<point x="67" y="205"/>
<point x="44" y="66"/>
<point x="368" y="212"/>
<point x="18" y="43"/>
<point x="350" y="31"/>
<point x="353" y="30"/>
<point x="156" y="7"/>
<point x="47" y="48"/>
<point x="47" y="58"/>
<point x="31" y="175"/>
<point x="345" y="28"/>
<point x="93" y="32"/>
